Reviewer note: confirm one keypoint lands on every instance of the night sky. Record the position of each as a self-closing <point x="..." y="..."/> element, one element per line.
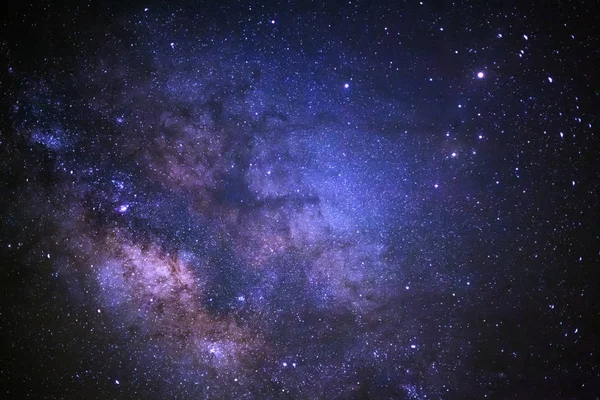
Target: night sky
<point x="299" y="200"/>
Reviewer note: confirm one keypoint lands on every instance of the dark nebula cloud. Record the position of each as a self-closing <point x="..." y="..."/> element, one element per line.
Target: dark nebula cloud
<point x="267" y="201"/>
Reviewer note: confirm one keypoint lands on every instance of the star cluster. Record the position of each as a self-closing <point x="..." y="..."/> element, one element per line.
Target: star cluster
<point x="340" y="201"/>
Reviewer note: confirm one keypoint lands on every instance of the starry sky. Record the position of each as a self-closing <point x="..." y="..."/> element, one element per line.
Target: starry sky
<point x="299" y="200"/>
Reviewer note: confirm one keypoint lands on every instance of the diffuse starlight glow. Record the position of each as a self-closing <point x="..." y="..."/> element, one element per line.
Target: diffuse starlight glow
<point x="203" y="202"/>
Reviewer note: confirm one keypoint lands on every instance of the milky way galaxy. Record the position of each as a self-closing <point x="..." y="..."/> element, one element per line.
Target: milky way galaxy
<point x="263" y="201"/>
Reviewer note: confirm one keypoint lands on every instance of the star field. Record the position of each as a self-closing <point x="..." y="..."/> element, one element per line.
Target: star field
<point x="265" y="200"/>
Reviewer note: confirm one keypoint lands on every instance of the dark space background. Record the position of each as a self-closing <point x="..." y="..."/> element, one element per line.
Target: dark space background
<point x="264" y="200"/>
